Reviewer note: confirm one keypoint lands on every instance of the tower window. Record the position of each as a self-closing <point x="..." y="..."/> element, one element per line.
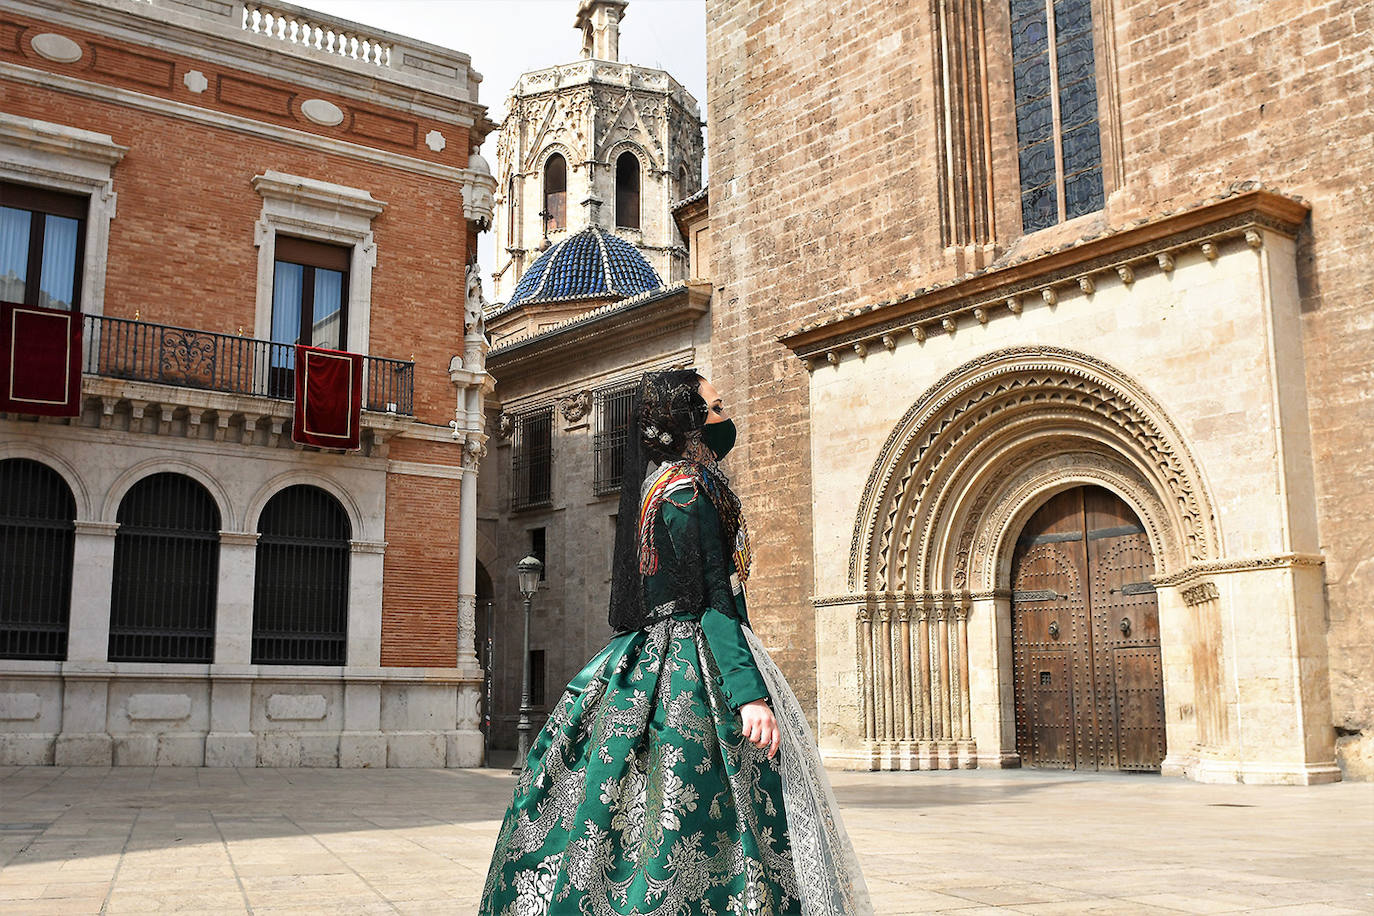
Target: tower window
<point x="1059" y="147"/>
<point x="556" y="191"/>
<point x="627" y="191"/>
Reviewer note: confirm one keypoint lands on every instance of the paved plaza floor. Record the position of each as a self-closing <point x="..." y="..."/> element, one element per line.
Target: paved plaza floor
<point x="144" y="840"/>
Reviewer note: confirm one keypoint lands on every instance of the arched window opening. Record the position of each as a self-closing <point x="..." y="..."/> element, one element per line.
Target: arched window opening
<point x="510" y="212"/>
<point x="1058" y="141"/>
<point x="37" y="536"/>
<point x="300" y="595"/>
<point x="556" y="192"/>
<point x="627" y="191"/>
<point x="682" y="192"/>
<point x="166" y="572"/>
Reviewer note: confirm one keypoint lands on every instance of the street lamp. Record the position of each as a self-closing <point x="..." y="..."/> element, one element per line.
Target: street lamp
<point x="527" y="571"/>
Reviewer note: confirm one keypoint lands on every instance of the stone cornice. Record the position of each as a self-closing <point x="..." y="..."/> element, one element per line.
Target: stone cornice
<point x="647" y="315"/>
<point x="323" y="194"/>
<point x="29" y="76"/>
<point x="1187" y="575"/>
<point x="58" y="139"/>
<point x="425" y="79"/>
<point x="1151" y="245"/>
<point x="616" y="74"/>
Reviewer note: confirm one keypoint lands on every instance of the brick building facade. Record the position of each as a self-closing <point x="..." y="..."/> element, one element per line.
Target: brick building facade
<point x="873" y="188"/>
<point x="215" y="152"/>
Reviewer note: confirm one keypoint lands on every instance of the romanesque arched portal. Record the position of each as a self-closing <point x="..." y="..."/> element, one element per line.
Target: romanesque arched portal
<point x="961" y="473"/>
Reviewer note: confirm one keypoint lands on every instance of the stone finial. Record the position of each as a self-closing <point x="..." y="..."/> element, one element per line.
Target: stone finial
<point x="599" y="21"/>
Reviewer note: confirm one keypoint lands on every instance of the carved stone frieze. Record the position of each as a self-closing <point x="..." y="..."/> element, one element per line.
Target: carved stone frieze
<point x="1014" y="392"/>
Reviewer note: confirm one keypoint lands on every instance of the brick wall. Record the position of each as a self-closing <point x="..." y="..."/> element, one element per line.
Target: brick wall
<point x="824" y="195"/>
<point x="181" y="246"/>
<point x="420" y="569"/>
<point x="182" y="252"/>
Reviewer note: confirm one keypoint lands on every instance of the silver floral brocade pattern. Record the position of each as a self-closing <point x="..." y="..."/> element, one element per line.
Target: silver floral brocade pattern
<point x="827" y="869"/>
<point x="641" y="797"/>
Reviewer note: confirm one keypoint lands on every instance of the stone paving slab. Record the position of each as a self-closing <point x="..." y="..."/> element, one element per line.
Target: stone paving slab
<point x="142" y="840"/>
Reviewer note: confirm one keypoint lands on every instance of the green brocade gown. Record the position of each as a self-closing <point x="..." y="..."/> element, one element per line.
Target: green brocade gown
<point x="641" y="796"/>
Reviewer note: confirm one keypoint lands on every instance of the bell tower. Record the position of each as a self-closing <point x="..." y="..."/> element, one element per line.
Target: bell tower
<point x="595" y="143"/>
<point x="599" y="21"/>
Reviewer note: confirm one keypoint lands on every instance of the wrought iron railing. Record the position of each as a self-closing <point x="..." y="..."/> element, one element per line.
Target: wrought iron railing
<point x="169" y="355"/>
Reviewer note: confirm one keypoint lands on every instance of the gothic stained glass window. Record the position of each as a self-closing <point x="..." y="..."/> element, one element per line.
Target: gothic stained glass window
<point x="1059" y="148"/>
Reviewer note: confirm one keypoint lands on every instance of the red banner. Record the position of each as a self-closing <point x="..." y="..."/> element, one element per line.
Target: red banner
<point x="329" y="398"/>
<point x="40" y="361"/>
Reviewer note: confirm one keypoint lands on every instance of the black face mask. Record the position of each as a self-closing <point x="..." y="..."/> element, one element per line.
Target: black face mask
<point x="719" y="437"/>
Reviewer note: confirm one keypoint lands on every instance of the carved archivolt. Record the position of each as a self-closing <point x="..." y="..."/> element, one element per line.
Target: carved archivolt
<point x="995" y="437"/>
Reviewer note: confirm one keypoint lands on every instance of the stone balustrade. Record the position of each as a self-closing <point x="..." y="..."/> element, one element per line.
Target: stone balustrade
<point x="311" y="30"/>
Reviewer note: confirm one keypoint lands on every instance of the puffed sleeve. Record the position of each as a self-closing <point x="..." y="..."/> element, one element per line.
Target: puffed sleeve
<point x="691" y="515"/>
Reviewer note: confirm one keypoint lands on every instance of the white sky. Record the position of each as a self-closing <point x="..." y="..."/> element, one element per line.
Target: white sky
<point x="508" y="37"/>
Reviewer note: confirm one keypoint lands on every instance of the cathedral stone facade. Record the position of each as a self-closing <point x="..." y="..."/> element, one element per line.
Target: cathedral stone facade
<point x="1046" y="325"/>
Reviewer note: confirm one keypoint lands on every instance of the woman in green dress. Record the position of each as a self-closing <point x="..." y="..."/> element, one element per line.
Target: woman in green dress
<point x="677" y="775"/>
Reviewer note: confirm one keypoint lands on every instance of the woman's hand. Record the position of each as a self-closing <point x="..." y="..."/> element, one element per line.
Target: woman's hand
<point x="759" y="726"/>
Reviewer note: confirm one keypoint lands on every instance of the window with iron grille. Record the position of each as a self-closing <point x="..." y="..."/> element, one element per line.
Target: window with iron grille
<point x="166" y="572"/>
<point x="612" y="406"/>
<point x="37" y="536"/>
<point x="300" y="594"/>
<point x="1057" y="132"/>
<point x="532" y="459"/>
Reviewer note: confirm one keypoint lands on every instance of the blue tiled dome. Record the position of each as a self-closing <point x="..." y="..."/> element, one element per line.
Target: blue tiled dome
<point x="591" y="263"/>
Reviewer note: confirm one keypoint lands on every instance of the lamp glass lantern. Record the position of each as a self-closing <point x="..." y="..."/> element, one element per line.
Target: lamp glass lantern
<point x="528" y="571"/>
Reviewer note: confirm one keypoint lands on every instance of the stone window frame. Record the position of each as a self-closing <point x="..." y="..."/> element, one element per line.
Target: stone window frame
<point x="323" y="212"/>
<point x="67" y="159"/>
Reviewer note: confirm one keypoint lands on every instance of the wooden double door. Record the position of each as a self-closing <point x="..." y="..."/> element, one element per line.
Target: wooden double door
<point x="1085" y="634"/>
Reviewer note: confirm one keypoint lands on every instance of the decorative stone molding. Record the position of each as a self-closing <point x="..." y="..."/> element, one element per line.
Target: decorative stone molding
<point x="1007" y="400"/>
<point x="576" y="406"/>
<point x="374" y="547"/>
<point x="77" y="161"/>
<point x="54" y="47"/>
<point x="323" y="112"/>
<point x="1230" y="221"/>
<point x="195" y="81"/>
<point x="505" y="427"/>
<point x="153" y="409"/>
<point x="325" y="212"/>
<point x="1184" y="576"/>
<point x="96" y="529"/>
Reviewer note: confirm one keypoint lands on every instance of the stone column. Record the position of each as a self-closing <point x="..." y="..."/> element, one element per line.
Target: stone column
<point x="365" y="604"/>
<point x="85" y="737"/>
<point x="230" y="741"/>
<point x="466" y="746"/>
<point x="361" y="743"/>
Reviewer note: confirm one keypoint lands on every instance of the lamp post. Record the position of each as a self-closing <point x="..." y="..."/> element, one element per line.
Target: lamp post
<point x="527" y="572"/>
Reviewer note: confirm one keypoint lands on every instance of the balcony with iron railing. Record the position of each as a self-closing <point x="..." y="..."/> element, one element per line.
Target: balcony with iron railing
<point x="140" y="351"/>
